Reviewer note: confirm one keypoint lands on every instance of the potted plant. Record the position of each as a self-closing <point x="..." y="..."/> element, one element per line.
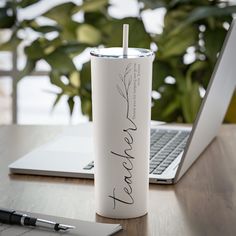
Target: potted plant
<point x="190" y="27"/>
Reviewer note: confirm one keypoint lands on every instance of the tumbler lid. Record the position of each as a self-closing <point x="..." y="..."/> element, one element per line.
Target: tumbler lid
<point x="118" y="52"/>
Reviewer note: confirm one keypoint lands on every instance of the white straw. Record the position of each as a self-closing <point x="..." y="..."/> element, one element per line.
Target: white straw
<point x="125" y="39"/>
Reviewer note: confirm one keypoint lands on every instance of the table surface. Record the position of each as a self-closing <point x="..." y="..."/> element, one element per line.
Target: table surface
<point x="202" y="203"/>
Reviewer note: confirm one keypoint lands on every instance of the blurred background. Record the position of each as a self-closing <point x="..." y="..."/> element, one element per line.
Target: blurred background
<point x="45" y="45"/>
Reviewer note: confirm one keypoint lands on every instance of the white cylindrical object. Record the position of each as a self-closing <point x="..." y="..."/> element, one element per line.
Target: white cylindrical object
<point x="125" y="39"/>
<point x="121" y="98"/>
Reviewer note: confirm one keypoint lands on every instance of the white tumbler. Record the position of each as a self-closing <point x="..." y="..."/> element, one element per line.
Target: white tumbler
<point x="121" y="100"/>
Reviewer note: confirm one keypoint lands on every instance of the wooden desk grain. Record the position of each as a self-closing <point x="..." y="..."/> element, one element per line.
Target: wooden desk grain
<point x="202" y="203"/>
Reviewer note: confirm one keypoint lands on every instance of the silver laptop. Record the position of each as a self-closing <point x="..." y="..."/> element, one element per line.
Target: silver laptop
<point x="173" y="148"/>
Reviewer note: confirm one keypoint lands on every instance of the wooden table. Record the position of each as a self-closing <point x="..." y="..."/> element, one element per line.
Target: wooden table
<point x="202" y="203"/>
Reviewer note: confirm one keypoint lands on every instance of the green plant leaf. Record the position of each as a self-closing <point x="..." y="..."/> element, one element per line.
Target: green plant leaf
<point x="97" y="19"/>
<point x="88" y="34"/>
<point x="213" y="46"/>
<point x="153" y="4"/>
<point x="195" y="67"/>
<point x="209" y="11"/>
<point x="160" y="71"/>
<point x="67" y="89"/>
<point x="35" y="51"/>
<point x="171" y="107"/>
<point x="86" y="107"/>
<point x="85" y="75"/>
<point x="69" y="30"/>
<point x="61" y="13"/>
<point x="190" y="101"/>
<point x="39" y="28"/>
<point x="48" y="46"/>
<point x="72" y="48"/>
<point x="173" y="46"/>
<point x="7" y="18"/>
<point x="60" y="61"/>
<point x="75" y="79"/>
<point x="92" y="5"/>
<point x="47" y="28"/>
<point x="55" y="78"/>
<point x="71" y="104"/>
<point x="204" y="12"/>
<point x="174" y="3"/>
<point x="11" y="44"/>
<point x="85" y="90"/>
<point x="112" y="33"/>
<point x="29" y="67"/>
<point x="163" y="109"/>
<point x="175" y="17"/>
<point x="26" y="3"/>
<point x="58" y="98"/>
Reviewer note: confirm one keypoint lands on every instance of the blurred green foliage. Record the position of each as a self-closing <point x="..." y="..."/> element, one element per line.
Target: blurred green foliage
<point x="196" y="26"/>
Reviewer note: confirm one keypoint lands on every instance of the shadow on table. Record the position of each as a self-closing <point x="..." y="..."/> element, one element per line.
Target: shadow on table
<point x="136" y="226"/>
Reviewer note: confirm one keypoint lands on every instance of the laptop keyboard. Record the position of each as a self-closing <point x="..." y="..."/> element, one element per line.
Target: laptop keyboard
<point x="165" y="147"/>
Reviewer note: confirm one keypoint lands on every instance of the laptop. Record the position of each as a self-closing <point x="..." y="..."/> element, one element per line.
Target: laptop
<point x="173" y="148"/>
